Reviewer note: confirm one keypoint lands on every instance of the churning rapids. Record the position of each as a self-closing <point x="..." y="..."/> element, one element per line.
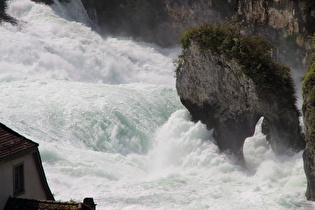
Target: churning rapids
<point x="110" y="124"/>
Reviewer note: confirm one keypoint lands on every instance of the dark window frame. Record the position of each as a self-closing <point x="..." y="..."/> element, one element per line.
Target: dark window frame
<point x="18" y="179"/>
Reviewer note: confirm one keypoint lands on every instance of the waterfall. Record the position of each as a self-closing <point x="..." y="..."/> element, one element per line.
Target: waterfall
<point x="110" y="125"/>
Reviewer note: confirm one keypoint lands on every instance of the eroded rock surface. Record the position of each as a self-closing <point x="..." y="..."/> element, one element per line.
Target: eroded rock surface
<point x="217" y="92"/>
<point x="284" y="22"/>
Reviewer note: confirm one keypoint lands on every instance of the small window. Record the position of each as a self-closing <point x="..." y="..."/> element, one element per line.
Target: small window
<point x="18" y="179"/>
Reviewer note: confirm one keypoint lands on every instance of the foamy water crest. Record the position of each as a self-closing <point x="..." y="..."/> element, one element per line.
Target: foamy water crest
<point x="111" y="118"/>
<point x="110" y="124"/>
<point x="46" y="45"/>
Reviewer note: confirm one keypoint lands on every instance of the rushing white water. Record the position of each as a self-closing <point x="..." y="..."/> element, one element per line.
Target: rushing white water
<point x="110" y="125"/>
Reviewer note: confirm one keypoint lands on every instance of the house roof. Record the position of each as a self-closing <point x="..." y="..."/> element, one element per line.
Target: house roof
<point x="12" y="143"/>
<point x="31" y="204"/>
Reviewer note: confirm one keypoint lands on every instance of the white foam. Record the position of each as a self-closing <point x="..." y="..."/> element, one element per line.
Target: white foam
<point x="128" y="144"/>
<point x="45" y="44"/>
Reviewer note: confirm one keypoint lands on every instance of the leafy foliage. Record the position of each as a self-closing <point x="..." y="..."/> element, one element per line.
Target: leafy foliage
<point x="252" y="53"/>
<point x="309" y="79"/>
<point x="308" y="87"/>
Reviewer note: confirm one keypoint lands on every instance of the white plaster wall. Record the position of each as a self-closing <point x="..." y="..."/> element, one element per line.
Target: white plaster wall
<point x="32" y="184"/>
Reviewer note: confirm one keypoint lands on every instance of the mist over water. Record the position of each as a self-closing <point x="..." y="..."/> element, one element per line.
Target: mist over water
<point x="110" y="124"/>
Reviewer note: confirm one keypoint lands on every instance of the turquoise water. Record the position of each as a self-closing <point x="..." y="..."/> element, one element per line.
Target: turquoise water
<point x="110" y="124"/>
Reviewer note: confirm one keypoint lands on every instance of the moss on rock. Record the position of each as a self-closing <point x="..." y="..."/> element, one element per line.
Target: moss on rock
<point x="252" y="53"/>
<point x="308" y="109"/>
<point x="228" y="80"/>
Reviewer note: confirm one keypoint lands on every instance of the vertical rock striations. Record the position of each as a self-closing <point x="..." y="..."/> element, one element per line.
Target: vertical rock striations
<point x="282" y="22"/>
<point x="285" y="23"/>
<point x="309" y="122"/>
<point x="228" y="81"/>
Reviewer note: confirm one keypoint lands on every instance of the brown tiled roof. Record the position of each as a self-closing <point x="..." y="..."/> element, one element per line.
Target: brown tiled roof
<point x="31" y="204"/>
<point x="12" y="143"/>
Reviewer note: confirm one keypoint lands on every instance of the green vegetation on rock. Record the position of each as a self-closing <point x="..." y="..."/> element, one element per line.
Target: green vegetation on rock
<point x="252" y="53"/>
<point x="309" y="79"/>
<point x="308" y="109"/>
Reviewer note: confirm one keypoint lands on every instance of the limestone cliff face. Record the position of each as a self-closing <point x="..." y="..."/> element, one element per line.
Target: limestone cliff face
<point x="218" y="93"/>
<point x="188" y="13"/>
<point x="283" y="22"/>
<point x="283" y="15"/>
<point x="274" y="19"/>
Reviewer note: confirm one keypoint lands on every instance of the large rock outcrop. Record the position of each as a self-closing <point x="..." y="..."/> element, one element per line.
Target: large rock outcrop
<point x="285" y="23"/>
<point x="309" y="122"/>
<point x="228" y="81"/>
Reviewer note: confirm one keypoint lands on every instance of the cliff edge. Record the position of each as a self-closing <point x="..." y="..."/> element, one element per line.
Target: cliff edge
<point x="229" y="81"/>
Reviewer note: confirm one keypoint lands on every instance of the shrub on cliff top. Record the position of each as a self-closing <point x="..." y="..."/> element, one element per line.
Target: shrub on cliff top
<point x="252" y="53"/>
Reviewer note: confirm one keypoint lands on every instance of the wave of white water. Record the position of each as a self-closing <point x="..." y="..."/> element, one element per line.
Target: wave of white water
<point x="110" y="125"/>
<point x="46" y="45"/>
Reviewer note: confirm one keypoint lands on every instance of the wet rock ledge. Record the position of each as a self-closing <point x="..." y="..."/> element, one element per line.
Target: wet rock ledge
<point x="229" y="81"/>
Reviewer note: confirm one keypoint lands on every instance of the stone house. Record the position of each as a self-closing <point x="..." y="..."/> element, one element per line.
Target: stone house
<point x="22" y="178"/>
